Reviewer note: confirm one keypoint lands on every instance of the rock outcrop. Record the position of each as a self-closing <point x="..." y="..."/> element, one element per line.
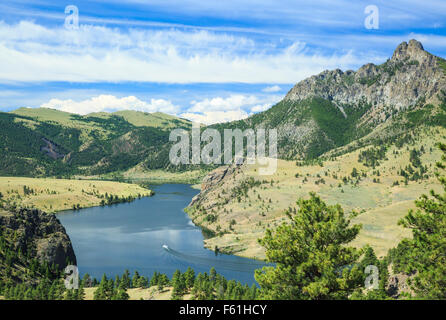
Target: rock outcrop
<point x="398" y="284"/>
<point x="41" y="234"/>
<point x="213" y="179"/>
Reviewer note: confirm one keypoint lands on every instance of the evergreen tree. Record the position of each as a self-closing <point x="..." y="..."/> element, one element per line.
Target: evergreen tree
<point x="212" y="274"/>
<point x="311" y="255"/>
<point x="143" y="282"/>
<point x="370" y="259"/>
<point x="86" y="281"/>
<point x="425" y="254"/>
<point x="154" y="279"/>
<point x="135" y="280"/>
<point x="190" y="277"/>
<point x="105" y="291"/>
<point x="179" y="285"/>
<point x="125" y="280"/>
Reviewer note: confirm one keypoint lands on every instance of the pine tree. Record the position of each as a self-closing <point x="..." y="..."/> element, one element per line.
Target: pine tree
<point x="212" y="274"/>
<point x="425" y="254"/>
<point x="143" y="282"/>
<point x="163" y="281"/>
<point x="190" y="277"/>
<point x="125" y="280"/>
<point x="135" y="280"/>
<point x="86" y="281"/>
<point x="154" y="279"/>
<point x="311" y="256"/>
<point x="105" y="291"/>
<point x="179" y="285"/>
<point x="370" y="259"/>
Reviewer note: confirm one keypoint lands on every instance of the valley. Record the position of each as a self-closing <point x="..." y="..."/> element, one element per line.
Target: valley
<point x="365" y="140"/>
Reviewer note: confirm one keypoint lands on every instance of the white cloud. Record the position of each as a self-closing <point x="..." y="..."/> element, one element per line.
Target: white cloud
<point x="233" y="102"/>
<point x="211" y="117"/>
<point x="260" y="107"/>
<point x="30" y="52"/>
<point x="207" y="111"/>
<point x="233" y="107"/>
<point x="111" y="103"/>
<point x="272" y="89"/>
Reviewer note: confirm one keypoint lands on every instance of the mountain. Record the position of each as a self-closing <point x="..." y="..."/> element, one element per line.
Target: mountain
<point x="363" y="139"/>
<point x="334" y="108"/>
<point x="47" y="142"/>
<point x="320" y="114"/>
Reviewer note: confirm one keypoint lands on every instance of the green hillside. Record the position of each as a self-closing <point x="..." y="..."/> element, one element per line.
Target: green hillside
<point x="46" y="142"/>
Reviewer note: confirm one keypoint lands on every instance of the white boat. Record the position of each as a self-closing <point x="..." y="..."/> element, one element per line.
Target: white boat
<point x="165" y="246"/>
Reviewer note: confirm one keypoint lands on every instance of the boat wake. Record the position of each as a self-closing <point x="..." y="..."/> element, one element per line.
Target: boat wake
<point x="219" y="262"/>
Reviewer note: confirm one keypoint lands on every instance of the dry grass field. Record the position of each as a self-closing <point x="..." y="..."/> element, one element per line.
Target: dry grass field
<point x="53" y="195"/>
<point x="151" y="293"/>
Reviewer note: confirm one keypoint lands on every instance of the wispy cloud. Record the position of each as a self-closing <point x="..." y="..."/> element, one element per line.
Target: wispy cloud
<point x="31" y="52"/>
<point x="264" y="45"/>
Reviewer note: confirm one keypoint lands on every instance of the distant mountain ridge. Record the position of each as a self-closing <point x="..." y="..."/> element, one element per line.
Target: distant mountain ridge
<point x="48" y="142"/>
<point x="320" y="114"/>
<point x="136" y="118"/>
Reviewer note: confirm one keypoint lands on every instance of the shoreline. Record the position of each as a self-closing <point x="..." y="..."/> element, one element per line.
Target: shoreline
<point x="56" y="195"/>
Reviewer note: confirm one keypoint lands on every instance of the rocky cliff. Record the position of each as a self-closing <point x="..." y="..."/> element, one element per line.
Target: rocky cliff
<point x="35" y="235"/>
<point x="213" y="179"/>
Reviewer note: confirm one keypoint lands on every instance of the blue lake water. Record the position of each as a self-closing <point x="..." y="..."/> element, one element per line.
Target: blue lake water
<point x="131" y="236"/>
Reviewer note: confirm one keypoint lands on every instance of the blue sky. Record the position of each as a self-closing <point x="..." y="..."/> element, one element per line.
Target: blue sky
<point x="207" y="60"/>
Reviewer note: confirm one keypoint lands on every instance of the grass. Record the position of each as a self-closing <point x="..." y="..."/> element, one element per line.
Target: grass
<point x="381" y="204"/>
<point x="136" y="118"/>
<point x="137" y="174"/>
<point x="156" y="120"/>
<point x="151" y="293"/>
<point x="53" y="195"/>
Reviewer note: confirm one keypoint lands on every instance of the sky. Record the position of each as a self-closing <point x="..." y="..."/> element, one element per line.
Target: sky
<point x="204" y="60"/>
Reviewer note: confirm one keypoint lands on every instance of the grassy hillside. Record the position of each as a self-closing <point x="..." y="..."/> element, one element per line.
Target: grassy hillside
<point x="135" y="118"/>
<point x="379" y="184"/>
<point x="46" y="142"/>
<point x="52" y="195"/>
<point x="156" y="119"/>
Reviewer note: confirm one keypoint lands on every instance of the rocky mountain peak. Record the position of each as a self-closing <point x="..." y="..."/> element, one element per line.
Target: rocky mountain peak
<point x="411" y="74"/>
<point x="413" y="50"/>
<point x="365" y="98"/>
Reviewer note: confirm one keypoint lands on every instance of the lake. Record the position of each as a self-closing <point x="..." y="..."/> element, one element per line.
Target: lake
<point x="131" y="236"/>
